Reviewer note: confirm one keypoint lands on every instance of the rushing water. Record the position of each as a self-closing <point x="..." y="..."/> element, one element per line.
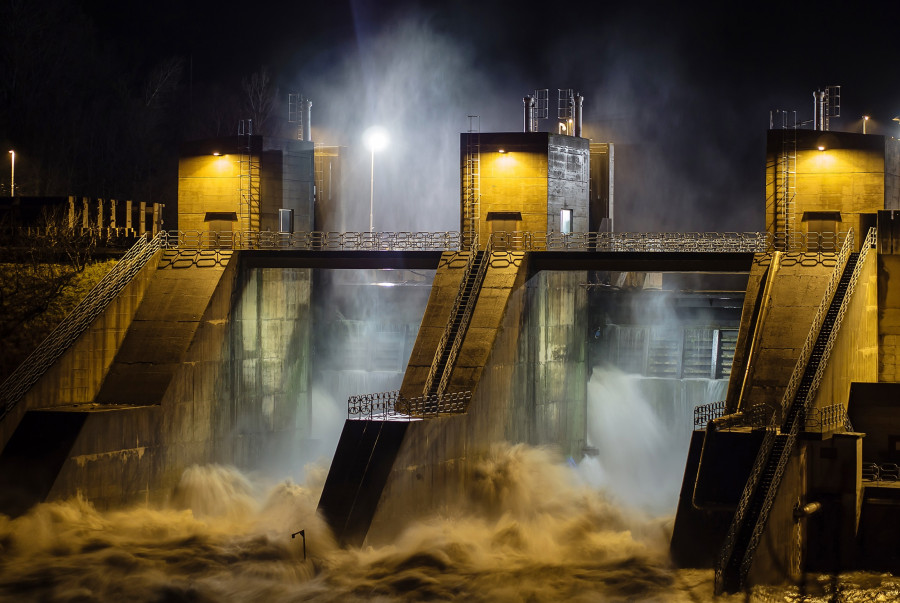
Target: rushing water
<point x="532" y="533"/>
<point x="640" y="428"/>
<point x="536" y="529"/>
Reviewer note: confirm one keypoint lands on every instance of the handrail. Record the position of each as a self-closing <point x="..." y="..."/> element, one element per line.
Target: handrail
<point x="827" y="418"/>
<point x="768" y="442"/>
<point x="705" y="413"/>
<point x="448" y="329"/>
<point x="868" y="243"/>
<point x="696" y="242"/>
<point x="464" y="322"/>
<point x="392" y="406"/>
<point x="316" y="240"/>
<point x="811" y="337"/>
<point x="78" y="320"/>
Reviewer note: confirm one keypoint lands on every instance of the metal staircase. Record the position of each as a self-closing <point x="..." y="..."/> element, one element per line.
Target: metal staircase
<point x="758" y="497"/>
<point x="460" y="315"/>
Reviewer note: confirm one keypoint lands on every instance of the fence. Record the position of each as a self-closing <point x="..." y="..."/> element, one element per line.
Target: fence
<point x="385" y="406"/>
<point x="95" y="302"/>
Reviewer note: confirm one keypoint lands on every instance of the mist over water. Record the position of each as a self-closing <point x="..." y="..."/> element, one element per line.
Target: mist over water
<point x="531" y="532"/>
<point x="641" y="429"/>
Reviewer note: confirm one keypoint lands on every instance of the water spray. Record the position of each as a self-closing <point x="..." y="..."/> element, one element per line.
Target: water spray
<point x="302" y="534"/>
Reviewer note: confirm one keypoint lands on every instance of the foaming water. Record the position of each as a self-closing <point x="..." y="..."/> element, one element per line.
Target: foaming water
<point x="530" y="533"/>
<point x="641" y="448"/>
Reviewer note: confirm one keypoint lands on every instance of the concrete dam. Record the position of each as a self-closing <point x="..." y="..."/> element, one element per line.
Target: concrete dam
<point x="224" y="356"/>
<point x="200" y="356"/>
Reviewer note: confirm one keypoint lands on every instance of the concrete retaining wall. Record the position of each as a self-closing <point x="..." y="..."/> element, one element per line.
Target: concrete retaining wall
<point x="75" y="378"/>
<point x="532" y="390"/>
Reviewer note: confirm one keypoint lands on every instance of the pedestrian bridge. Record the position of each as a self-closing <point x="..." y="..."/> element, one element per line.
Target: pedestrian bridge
<point x="621" y="251"/>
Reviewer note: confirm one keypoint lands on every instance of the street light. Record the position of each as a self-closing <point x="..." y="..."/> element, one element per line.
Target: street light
<point x="12" y="174"/>
<point x="865" y="121"/>
<point x="376" y="138"/>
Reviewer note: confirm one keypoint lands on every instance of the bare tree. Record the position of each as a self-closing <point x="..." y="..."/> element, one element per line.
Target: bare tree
<point x="261" y="94"/>
<point x="37" y="265"/>
<point x="162" y="82"/>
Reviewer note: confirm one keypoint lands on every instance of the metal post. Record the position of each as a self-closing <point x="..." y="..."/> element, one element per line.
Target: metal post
<point x="372" y="196"/>
<point x="12" y="175"/>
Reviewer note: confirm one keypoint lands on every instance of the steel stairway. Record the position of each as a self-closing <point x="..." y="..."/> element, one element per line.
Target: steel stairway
<point x="448" y="348"/>
<point x="733" y="569"/>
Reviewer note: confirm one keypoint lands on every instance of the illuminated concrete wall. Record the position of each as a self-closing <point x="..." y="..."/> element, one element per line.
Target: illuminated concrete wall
<point x="534" y="174"/>
<point x="854" y="356"/>
<point x="76" y="377"/>
<point x="209" y="183"/>
<point x="532" y="389"/>
<point x="853" y="174"/>
<point x="785" y="317"/>
<point x="331" y="182"/>
<point x="889" y="296"/>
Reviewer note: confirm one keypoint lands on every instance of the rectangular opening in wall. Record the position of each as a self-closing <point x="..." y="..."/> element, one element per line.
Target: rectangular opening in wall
<point x="822" y="230"/>
<point x="504" y="221"/>
<point x="219" y="225"/>
<point x="286" y="220"/>
<point x="565" y="221"/>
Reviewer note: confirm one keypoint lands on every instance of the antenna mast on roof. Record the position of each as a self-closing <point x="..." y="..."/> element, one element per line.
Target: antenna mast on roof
<point x="300" y="112"/>
<point x="826" y="104"/>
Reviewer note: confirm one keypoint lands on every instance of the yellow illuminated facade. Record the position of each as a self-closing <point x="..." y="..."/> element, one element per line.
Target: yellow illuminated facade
<point x="241" y="183"/>
<point x="526" y="181"/>
<point x="829" y="182"/>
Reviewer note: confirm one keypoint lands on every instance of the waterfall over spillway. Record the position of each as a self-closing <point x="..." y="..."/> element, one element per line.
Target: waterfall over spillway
<point x="640" y="428"/>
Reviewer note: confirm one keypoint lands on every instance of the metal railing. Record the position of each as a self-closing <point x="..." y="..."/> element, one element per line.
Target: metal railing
<point x="827" y="418"/>
<point x="449" y="332"/>
<point x="704" y="242"/>
<point x="316" y="241"/>
<point x="771" y="430"/>
<point x="884" y="472"/>
<point x="705" y="413"/>
<point x="459" y="337"/>
<point x="798" y="419"/>
<point x="806" y="351"/>
<point x="391" y="405"/>
<point x="61" y="338"/>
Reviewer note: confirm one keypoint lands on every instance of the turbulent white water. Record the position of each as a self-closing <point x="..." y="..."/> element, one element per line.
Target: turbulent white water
<point x="530" y="534"/>
<point x="641" y="430"/>
<point x="534" y="530"/>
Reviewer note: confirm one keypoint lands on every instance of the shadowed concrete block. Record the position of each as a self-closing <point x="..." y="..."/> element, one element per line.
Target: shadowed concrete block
<point x="161" y="332"/>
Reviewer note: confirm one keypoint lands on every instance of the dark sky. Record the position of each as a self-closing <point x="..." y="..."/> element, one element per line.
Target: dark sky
<point x="685" y="88"/>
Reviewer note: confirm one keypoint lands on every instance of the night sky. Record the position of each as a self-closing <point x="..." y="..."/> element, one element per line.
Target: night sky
<point x="684" y="88"/>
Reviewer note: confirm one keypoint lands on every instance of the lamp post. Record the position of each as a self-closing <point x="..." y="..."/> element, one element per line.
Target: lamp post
<point x="865" y="121"/>
<point x="12" y="174"/>
<point x="376" y="138"/>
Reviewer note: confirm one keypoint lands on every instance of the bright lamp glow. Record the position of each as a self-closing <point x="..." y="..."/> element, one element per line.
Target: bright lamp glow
<point x="376" y="138"/>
